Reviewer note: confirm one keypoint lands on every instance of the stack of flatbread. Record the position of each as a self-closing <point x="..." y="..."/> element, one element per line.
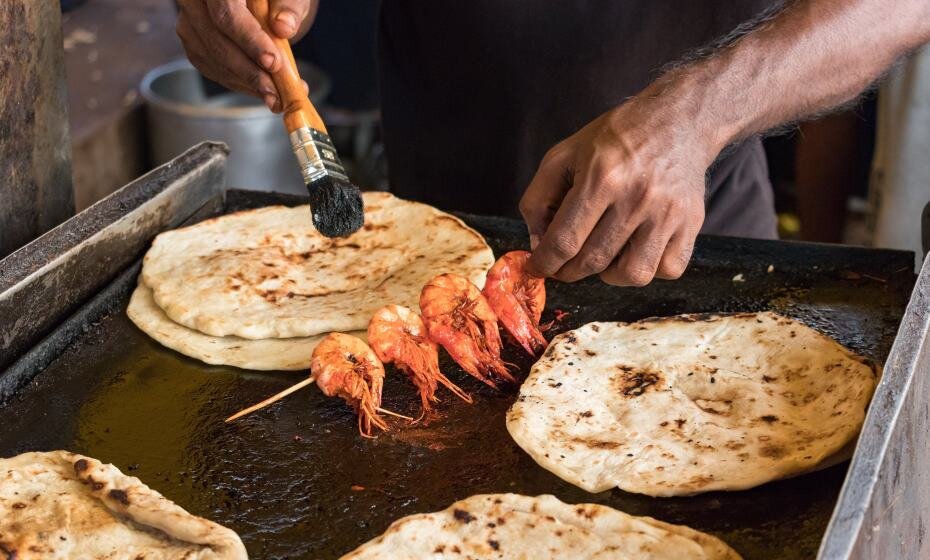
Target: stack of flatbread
<point x="689" y="404"/>
<point x="511" y="526"/>
<point x="258" y="289"/>
<point x="61" y="505"/>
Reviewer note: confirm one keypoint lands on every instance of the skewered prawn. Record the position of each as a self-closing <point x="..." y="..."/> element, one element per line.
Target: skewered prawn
<point x="397" y="334"/>
<point x="517" y="299"/>
<point x="459" y="318"/>
<point x="347" y="367"/>
<point x="344" y="366"/>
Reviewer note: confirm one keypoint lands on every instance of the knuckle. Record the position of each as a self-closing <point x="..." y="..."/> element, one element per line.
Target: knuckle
<point x="638" y="275"/>
<point x="565" y="246"/>
<point x="671" y="269"/>
<point x="649" y="194"/>
<point x="597" y="261"/>
<point x="254" y="79"/>
<point x="600" y="188"/>
<point x="676" y="206"/>
<point x="681" y="261"/>
<point x="554" y="154"/>
<point x="221" y="12"/>
<point x="527" y="207"/>
<point x="605" y="173"/>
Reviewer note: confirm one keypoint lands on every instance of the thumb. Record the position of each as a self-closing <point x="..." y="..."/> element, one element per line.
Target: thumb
<point x="546" y="191"/>
<point x="291" y="17"/>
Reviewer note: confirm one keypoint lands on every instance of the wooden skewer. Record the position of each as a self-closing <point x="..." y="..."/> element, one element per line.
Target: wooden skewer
<point x="293" y="388"/>
<point x="389" y="413"/>
<point x="272" y="399"/>
<point x="298" y="111"/>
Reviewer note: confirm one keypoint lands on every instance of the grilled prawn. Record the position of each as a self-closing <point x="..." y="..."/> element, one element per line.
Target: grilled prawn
<point x="343" y="366"/>
<point x="397" y="335"/>
<point x="346" y="367"/>
<point x="517" y="299"/>
<point x="459" y="318"/>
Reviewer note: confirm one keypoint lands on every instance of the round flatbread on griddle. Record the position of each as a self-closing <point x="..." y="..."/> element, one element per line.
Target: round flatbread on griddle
<point x="267" y="273"/>
<point x="59" y="505"/>
<point x="689" y="404"/>
<point x="511" y="526"/>
<point x="270" y="354"/>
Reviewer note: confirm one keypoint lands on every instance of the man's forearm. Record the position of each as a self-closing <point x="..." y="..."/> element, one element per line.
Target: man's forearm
<point x="810" y="57"/>
<point x="624" y="197"/>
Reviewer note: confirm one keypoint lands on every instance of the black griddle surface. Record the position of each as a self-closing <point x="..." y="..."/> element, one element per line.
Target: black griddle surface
<point x="296" y="481"/>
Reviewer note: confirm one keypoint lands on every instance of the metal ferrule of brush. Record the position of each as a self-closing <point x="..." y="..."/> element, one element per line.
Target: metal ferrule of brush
<point x="316" y="155"/>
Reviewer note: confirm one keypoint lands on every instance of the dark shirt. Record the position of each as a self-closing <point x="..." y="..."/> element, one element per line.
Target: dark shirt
<point x="473" y="94"/>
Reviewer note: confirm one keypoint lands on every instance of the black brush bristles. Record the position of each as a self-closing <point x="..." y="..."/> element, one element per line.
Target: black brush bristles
<point x="336" y="206"/>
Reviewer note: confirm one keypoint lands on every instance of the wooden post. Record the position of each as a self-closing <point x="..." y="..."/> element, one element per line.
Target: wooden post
<point x="35" y="148"/>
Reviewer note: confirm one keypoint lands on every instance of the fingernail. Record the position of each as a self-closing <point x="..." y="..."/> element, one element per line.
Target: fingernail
<point x="534" y="241"/>
<point x="267" y="61"/>
<point x="306" y="87"/>
<point x="288" y="19"/>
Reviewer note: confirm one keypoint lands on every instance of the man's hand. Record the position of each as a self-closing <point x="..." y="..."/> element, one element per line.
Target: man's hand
<point x="227" y="44"/>
<point x="623" y="197"/>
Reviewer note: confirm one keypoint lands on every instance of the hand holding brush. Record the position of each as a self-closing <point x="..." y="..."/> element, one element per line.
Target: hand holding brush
<point x="335" y="202"/>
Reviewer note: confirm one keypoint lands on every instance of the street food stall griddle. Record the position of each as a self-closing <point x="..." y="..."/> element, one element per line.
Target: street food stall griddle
<point x="296" y="480"/>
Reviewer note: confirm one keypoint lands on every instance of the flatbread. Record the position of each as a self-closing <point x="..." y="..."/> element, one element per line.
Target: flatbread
<point x="511" y="526"/>
<point x="689" y="404"/>
<point x="62" y="505"/>
<point x="270" y="354"/>
<point x="267" y="273"/>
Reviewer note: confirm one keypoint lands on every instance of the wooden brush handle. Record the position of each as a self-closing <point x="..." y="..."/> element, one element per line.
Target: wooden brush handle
<point x="298" y="110"/>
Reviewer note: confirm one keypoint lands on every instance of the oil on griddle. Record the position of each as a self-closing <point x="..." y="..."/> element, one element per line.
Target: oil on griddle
<point x="296" y="480"/>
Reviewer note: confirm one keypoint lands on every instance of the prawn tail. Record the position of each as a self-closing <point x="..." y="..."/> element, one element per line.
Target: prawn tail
<point x="368" y="416"/>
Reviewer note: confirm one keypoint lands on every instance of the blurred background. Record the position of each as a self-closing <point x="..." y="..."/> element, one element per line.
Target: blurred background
<point x="134" y="103"/>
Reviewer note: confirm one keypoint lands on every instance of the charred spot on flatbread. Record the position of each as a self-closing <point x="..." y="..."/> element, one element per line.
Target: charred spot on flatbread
<point x="463" y="516"/>
<point x="119" y="495"/>
<point x="633" y="382"/>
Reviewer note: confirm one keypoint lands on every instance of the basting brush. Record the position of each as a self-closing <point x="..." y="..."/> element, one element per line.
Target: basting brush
<point x="335" y="202"/>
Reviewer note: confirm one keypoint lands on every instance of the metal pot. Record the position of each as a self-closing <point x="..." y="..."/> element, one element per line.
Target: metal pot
<point x="180" y="114"/>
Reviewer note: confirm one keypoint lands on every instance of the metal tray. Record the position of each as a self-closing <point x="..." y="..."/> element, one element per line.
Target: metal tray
<point x="296" y="480"/>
